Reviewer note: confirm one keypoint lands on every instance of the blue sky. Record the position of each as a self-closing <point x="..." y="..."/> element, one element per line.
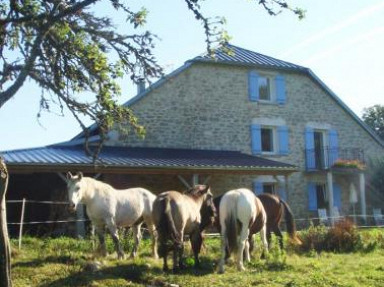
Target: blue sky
<point x="342" y="41"/>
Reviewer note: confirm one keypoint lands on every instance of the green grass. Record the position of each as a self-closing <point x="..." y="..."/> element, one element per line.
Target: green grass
<point x="66" y="262"/>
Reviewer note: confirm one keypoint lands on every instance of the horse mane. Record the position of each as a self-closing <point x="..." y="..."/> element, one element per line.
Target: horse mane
<point x="196" y="191"/>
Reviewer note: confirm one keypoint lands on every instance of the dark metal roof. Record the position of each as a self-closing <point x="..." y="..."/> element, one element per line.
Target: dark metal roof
<point x="231" y="54"/>
<point x="60" y="157"/>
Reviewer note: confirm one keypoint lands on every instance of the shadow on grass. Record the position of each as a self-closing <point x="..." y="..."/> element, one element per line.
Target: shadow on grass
<point x="46" y="260"/>
<point x="131" y="272"/>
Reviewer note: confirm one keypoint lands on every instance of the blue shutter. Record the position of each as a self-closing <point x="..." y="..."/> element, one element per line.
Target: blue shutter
<point x="281" y="192"/>
<point x="257" y="187"/>
<point x="253" y="86"/>
<point x="310" y="148"/>
<point x="283" y="140"/>
<point x="337" y="196"/>
<point x="280" y="89"/>
<point x="256" y="139"/>
<point x="312" y="196"/>
<point x="333" y="147"/>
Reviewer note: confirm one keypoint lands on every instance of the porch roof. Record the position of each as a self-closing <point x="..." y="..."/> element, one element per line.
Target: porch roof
<point x="112" y="159"/>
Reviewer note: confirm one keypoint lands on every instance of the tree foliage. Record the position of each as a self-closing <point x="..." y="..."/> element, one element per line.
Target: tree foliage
<point x="374" y="118"/>
<point x="376" y="175"/>
<point x="66" y="49"/>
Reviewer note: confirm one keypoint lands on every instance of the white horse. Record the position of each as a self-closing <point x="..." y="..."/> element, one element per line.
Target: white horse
<point x="111" y="208"/>
<point x="239" y="209"/>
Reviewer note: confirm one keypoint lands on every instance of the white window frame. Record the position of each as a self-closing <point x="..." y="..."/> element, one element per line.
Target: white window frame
<point x="273" y="184"/>
<point x="272" y="87"/>
<point x="272" y="123"/>
<point x="275" y="139"/>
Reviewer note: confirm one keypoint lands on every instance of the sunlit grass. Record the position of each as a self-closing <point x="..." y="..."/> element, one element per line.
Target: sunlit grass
<point x="71" y="262"/>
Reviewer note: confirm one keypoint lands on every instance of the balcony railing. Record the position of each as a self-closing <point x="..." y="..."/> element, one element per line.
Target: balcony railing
<point x="323" y="159"/>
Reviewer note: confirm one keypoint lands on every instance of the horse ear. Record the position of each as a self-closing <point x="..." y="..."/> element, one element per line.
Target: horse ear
<point x="79" y="175"/>
<point x="69" y="175"/>
<point x="204" y="189"/>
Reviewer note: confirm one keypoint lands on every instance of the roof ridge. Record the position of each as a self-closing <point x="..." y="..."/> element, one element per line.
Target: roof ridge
<point x="264" y="55"/>
<point x="247" y="57"/>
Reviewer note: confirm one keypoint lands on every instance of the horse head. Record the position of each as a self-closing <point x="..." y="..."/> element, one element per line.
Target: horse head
<point x="208" y="209"/>
<point x="74" y="185"/>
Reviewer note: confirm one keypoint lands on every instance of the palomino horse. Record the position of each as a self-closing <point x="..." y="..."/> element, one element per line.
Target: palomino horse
<point x="176" y="214"/>
<point x="274" y="207"/>
<point x="239" y="209"/>
<point x="111" y="208"/>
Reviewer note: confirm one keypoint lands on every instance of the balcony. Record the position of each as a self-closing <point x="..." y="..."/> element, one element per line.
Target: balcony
<point x="324" y="158"/>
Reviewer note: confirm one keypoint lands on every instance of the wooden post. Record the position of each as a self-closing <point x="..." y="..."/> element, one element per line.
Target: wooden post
<point x="5" y="249"/>
<point x="21" y="223"/>
<point x="80" y="225"/>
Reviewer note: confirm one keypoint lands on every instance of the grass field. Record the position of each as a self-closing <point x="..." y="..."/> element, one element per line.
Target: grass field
<point x="69" y="262"/>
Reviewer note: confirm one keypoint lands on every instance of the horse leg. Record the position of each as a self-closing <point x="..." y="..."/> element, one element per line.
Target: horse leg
<point x="264" y="240"/>
<point x="102" y="249"/>
<point x="196" y="242"/>
<point x="163" y="251"/>
<point x="175" y="256"/>
<point x="154" y="236"/>
<point x="115" y="237"/>
<point x="278" y="233"/>
<point x="246" y="255"/>
<point x="251" y="243"/>
<point x="242" y="246"/>
<point x="224" y="244"/>
<point x="137" y="237"/>
<point x="178" y="253"/>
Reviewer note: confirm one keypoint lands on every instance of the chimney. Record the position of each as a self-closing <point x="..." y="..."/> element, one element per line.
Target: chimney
<point x="140" y="86"/>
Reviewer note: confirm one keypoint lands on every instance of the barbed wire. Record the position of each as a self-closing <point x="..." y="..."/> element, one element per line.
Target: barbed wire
<point x="37" y="201"/>
<point x="309" y="220"/>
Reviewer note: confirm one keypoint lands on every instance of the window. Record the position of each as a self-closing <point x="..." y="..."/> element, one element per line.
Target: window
<point x="270" y="139"/>
<point x="263" y="184"/>
<point x="267" y="140"/>
<point x="321" y="148"/>
<point x="269" y="187"/>
<point x="264" y="85"/>
<point x="321" y="196"/>
<point x="317" y="196"/>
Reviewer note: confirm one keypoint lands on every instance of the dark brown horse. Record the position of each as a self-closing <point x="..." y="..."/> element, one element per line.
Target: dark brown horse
<point x="275" y="208"/>
<point x="176" y="214"/>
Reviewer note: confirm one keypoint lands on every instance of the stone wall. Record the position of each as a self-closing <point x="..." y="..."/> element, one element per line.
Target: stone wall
<point x="207" y="107"/>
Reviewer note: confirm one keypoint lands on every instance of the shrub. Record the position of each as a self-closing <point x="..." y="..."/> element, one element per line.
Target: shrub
<point x="342" y="237"/>
<point x="312" y="239"/>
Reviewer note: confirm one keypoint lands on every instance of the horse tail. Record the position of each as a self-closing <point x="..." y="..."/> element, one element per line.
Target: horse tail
<point x="233" y="226"/>
<point x="170" y="223"/>
<point x="290" y="222"/>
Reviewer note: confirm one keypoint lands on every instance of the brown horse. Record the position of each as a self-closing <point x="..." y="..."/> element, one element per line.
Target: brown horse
<point x="274" y="207"/>
<point x="176" y="214"/>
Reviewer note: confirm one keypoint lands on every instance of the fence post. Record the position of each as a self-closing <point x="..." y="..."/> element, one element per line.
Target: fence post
<point x="21" y="222"/>
<point x="80" y="224"/>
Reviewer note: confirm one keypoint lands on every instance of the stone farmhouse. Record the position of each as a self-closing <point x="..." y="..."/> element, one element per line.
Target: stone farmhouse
<point x="239" y="119"/>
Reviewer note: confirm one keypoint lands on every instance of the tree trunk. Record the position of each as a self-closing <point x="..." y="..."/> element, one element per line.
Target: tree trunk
<point x="5" y="250"/>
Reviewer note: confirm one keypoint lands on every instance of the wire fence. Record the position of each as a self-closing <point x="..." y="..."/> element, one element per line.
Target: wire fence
<point x="361" y="221"/>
